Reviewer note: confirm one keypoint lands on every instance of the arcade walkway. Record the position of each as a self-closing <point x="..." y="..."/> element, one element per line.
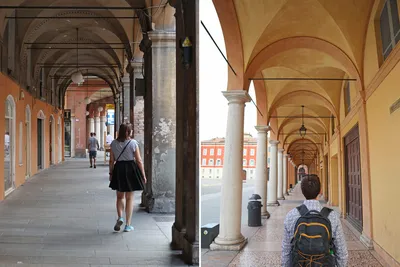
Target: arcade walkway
<point x="264" y="246"/>
<point x="65" y="215"/>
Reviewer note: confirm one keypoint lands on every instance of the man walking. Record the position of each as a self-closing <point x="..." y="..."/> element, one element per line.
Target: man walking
<point x="313" y="235"/>
<point x="93" y="145"/>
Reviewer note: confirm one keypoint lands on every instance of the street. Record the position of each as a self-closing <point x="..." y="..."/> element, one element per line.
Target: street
<point x="211" y="200"/>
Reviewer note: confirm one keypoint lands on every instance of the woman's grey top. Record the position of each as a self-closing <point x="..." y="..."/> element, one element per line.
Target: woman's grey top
<point x="129" y="153"/>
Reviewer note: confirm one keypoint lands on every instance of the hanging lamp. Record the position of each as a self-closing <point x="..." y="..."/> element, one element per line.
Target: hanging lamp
<point x="87" y="99"/>
<point x="77" y="76"/>
<point x="303" y="129"/>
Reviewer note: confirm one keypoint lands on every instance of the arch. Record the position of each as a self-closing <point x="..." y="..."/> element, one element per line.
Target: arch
<point x="28" y="125"/>
<point x="326" y="103"/>
<point x="40" y="115"/>
<point x="226" y="11"/>
<point x="9" y="159"/>
<point x="302" y="42"/>
<point x="262" y="102"/>
<point x="59" y="139"/>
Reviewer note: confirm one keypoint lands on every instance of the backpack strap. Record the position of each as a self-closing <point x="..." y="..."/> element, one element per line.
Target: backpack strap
<point x="325" y="212"/>
<point x="302" y="210"/>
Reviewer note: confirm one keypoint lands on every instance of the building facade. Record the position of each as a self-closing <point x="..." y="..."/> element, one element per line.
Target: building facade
<point x="212" y="157"/>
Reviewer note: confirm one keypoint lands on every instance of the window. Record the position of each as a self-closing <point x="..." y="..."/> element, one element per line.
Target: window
<point x="41" y="83"/>
<point x="252" y="152"/>
<point x="204" y="163"/>
<point x="251" y="172"/>
<point x="269" y="160"/>
<point x="219" y="152"/>
<point x="218" y="162"/>
<point x="245" y="152"/>
<point x="244" y="162"/>
<point x="204" y="151"/>
<point x="212" y="151"/>
<point x="390" y="27"/>
<point x="333" y="125"/>
<point x="347" y="100"/>
<point x="252" y="162"/>
<point x="211" y="162"/>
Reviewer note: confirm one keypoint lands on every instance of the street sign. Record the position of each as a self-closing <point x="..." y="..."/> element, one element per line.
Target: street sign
<point x="110" y="117"/>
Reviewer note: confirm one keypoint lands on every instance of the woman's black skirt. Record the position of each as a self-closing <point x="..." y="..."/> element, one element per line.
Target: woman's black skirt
<point x="126" y="177"/>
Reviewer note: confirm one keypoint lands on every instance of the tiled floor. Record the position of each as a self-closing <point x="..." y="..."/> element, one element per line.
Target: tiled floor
<point x="65" y="216"/>
<point x="264" y="246"/>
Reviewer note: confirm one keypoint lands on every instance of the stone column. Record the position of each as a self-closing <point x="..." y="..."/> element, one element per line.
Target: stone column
<point x="91" y="125"/>
<point x="97" y="127"/>
<point x="230" y="236"/>
<point x="285" y="175"/>
<point x="138" y="110"/>
<point x="127" y="95"/>
<point x="261" y="167"/>
<point x="102" y="130"/>
<point x="73" y="135"/>
<point x="273" y="175"/>
<point x="117" y="113"/>
<point x="160" y="121"/>
<point x="280" y="174"/>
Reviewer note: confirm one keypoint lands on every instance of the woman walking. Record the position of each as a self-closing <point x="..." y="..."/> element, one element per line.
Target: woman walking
<point x="126" y="173"/>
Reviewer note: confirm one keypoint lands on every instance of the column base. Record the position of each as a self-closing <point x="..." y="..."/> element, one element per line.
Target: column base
<point x="160" y="204"/>
<point x="190" y="252"/>
<point x="266" y="214"/>
<point x="281" y="198"/>
<point x="177" y="238"/>
<point x="366" y="241"/>
<point x="275" y="203"/>
<point x="287" y="193"/>
<point x="228" y="245"/>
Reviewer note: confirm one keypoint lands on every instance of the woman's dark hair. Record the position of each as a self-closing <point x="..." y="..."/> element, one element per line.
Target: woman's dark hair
<point x="310" y="186"/>
<point x="123" y="130"/>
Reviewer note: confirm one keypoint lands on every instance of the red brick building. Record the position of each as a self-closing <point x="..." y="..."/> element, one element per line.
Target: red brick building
<point x="212" y="157"/>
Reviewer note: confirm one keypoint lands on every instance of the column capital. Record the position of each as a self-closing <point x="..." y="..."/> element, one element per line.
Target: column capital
<point x="263" y="128"/>
<point x="274" y="142"/>
<point x="280" y="150"/>
<point x="236" y="96"/>
<point x="137" y="65"/>
<point x="287" y="155"/>
<point x="162" y="39"/>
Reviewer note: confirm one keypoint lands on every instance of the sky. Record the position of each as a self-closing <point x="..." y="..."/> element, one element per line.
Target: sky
<point x="214" y="79"/>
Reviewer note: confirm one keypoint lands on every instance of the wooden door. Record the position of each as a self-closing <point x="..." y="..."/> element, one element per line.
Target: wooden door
<point x="353" y="179"/>
<point x="39" y="143"/>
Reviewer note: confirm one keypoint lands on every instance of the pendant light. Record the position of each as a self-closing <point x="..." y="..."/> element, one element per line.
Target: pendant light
<point x="77" y="76"/>
<point x="303" y="129"/>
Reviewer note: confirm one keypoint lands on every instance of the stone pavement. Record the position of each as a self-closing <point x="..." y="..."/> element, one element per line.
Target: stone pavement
<point x="264" y="246"/>
<point x="65" y="216"/>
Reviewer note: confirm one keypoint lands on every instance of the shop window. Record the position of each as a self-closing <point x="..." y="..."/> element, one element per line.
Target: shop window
<point x="390" y="27"/>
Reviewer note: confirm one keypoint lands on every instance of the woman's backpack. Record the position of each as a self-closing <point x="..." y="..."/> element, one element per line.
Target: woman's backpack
<point x="312" y="240"/>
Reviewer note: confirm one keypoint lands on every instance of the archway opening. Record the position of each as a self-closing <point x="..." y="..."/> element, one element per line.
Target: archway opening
<point x="40" y="140"/>
<point x="9" y="146"/>
<point x="28" y="142"/>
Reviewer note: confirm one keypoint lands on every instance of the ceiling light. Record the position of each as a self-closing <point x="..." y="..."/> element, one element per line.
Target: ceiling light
<point x="303" y="129"/>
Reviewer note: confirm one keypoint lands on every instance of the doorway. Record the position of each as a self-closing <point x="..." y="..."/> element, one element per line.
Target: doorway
<point x="28" y="142"/>
<point x="353" y="179"/>
<point x="52" y="140"/>
<point x="59" y="134"/>
<point x="326" y="178"/>
<point x="40" y="140"/>
<point x="9" y="146"/>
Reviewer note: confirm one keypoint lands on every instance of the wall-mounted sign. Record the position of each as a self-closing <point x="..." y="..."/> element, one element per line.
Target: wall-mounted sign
<point x="110" y="117"/>
<point x="110" y="106"/>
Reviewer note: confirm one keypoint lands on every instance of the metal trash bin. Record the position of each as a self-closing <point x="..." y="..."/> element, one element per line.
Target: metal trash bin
<point x="208" y="233"/>
<point x="254" y="210"/>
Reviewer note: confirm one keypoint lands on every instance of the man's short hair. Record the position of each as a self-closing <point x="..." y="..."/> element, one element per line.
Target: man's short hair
<point x="108" y="132"/>
<point x="310" y="186"/>
<point x="94" y="134"/>
<point x="91" y="134"/>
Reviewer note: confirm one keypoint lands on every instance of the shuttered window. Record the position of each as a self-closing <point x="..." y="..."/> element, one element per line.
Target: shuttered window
<point x="390" y="27"/>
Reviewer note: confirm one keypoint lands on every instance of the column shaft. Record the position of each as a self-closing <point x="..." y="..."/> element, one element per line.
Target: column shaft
<point x="261" y="167"/>
<point x="73" y="136"/>
<point x="285" y="175"/>
<point x="230" y="236"/>
<point x="273" y="175"/>
<point x="280" y="174"/>
<point x="97" y="127"/>
<point x="102" y="130"/>
<point x="91" y="125"/>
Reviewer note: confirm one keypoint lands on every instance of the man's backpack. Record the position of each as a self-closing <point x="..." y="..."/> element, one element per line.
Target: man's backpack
<point x="312" y="240"/>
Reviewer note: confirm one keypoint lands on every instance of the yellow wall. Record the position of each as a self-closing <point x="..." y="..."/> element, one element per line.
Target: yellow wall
<point x="9" y="87"/>
<point x="384" y="144"/>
